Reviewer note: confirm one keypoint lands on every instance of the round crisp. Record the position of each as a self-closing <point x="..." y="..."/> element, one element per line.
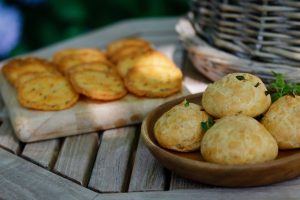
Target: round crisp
<point x="236" y="93"/>
<point x="129" y="51"/>
<point x="238" y="139"/>
<point x="99" y="85"/>
<point x="99" y="66"/>
<point x="30" y="75"/>
<point x="91" y="53"/>
<point x="47" y="93"/>
<point x="153" y="81"/>
<point x="116" y="45"/>
<point x="154" y="58"/>
<point x="16" y="67"/>
<point x="180" y="129"/>
<point x="283" y="121"/>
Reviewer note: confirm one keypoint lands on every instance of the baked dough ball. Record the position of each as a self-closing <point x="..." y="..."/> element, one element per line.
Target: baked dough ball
<point x="238" y="139"/>
<point x="180" y="129"/>
<point x="236" y="93"/>
<point x="283" y="121"/>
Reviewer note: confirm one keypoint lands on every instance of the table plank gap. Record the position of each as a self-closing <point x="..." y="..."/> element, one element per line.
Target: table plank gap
<point x="8" y="140"/>
<point x="147" y="174"/>
<point x="22" y="180"/>
<point x="109" y="172"/>
<point x="77" y="156"/>
<point x="43" y="153"/>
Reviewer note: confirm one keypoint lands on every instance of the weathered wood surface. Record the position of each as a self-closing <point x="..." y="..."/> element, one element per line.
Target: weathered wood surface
<point x="77" y="156"/>
<point x="263" y="193"/>
<point x="147" y="174"/>
<point x="179" y="183"/>
<point x="113" y="163"/>
<point x="22" y="180"/>
<point x="8" y="139"/>
<point x="43" y="153"/>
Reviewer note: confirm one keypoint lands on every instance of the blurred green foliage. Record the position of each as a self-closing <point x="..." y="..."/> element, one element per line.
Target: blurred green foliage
<point x="56" y="20"/>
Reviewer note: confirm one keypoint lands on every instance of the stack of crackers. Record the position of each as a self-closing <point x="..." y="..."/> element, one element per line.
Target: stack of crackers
<point x="128" y="65"/>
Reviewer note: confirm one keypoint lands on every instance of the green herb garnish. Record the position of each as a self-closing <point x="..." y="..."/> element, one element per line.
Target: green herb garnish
<point x="257" y="84"/>
<point x="207" y="124"/>
<point x="279" y="87"/>
<point x="186" y="103"/>
<point x="240" y="78"/>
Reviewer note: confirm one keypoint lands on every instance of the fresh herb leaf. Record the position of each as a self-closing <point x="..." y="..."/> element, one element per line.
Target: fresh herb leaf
<point x="240" y="78"/>
<point x="186" y="103"/>
<point x="279" y="87"/>
<point x="257" y="84"/>
<point x="207" y="124"/>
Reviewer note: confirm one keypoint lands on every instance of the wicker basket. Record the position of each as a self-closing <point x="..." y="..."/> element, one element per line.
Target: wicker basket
<point x="252" y="36"/>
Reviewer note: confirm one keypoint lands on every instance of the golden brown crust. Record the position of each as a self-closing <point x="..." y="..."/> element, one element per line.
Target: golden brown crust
<point x="82" y="52"/>
<point x="116" y="45"/>
<point x="16" y="67"/>
<point x="99" y="85"/>
<point x="179" y="128"/>
<point x="129" y="51"/>
<point x="153" y="81"/>
<point x="48" y="93"/>
<point x="238" y="139"/>
<point x="283" y="121"/>
<point x="230" y="96"/>
<point x="154" y="58"/>
<point x="30" y="75"/>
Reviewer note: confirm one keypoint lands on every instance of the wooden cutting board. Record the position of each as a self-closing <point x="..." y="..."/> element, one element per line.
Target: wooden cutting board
<point x="86" y="116"/>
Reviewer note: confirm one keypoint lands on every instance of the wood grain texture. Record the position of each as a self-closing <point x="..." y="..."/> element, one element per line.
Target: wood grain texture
<point x="111" y="168"/>
<point x="8" y="139"/>
<point x="179" y="183"/>
<point x="147" y="174"/>
<point x="261" y="193"/>
<point x="76" y="158"/>
<point x="43" y="153"/>
<point x="22" y="180"/>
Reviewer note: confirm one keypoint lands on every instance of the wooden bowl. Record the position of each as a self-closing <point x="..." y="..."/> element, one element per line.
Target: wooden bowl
<point x="192" y="166"/>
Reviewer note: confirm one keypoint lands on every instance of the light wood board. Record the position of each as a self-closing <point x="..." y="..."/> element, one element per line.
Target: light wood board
<point x="86" y="116"/>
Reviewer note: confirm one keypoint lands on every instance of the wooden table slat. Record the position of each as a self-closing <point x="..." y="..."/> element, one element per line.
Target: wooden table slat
<point x="110" y="170"/>
<point x="76" y="158"/>
<point x="147" y="174"/>
<point x="43" y="153"/>
<point x="8" y="139"/>
<point x="22" y="180"/>
<point x="179" y="183"/>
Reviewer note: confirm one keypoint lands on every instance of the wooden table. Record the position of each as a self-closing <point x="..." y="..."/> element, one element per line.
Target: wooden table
<point x="113" y="164"/>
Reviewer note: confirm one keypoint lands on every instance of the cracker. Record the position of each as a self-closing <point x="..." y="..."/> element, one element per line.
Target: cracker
<point x="87" y="52"/>
<point x="98" y="66"/>
<point x="141" y="59"/>
<point x="30" y="75"/>
<point x="153" y="81"/>
<point x="16" y="67"/>
<point x="129" y="51"/>
<point x="154" y="58"/>
<point x="47" y="93"/>
<point x="99" y="85"/>
<point x="116" y="45"/>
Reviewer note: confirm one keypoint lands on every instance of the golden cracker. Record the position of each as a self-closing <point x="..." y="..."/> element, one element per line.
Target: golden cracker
<point x="87" y="52"/>
<point x="16" y="67"/>
<point x="129" y="51"/>
<point x="114" y="46"/>
<point x="153" y="81"/>
<point x="47" y="93"/>
<point x="99" y="85"/>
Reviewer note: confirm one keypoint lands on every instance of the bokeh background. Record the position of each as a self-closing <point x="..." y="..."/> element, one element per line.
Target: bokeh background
<point x="26" y="25"/>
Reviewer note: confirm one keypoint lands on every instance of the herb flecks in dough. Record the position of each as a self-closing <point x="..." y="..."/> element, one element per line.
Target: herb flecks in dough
<point x="240" y="78"/>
